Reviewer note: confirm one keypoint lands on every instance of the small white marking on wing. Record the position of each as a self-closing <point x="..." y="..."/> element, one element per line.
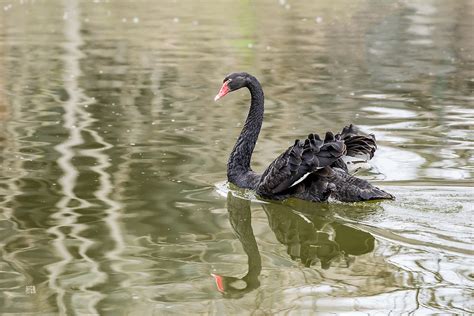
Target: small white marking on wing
<point x="300" y="179"/>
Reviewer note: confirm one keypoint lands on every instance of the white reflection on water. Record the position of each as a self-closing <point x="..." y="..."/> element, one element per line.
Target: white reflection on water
<point x="421" y="22"/>
<point x="67" y="216"/>
<point x="390" y="160"/>
<point x="77" y="121"/>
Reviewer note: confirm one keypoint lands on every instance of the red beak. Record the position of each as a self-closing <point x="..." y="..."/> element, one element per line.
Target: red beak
<point x="223" y="91"/>
<point x="219" y="280"/>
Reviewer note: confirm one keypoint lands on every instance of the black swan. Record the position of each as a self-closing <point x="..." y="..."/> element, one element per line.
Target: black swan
<point x="312" y="169"/>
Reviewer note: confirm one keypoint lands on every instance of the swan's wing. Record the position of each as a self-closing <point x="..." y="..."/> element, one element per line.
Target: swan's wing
<point x="304" y="157"/>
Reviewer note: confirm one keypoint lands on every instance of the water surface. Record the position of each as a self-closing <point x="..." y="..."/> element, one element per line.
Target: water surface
<point x="113" y="197"/>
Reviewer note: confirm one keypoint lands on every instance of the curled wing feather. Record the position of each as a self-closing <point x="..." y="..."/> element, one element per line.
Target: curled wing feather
<point x="298" y="160"/>
<point x="360" y="146"/>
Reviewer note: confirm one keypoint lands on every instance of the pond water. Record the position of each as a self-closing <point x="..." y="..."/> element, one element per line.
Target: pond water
<point x="113" y="197"/>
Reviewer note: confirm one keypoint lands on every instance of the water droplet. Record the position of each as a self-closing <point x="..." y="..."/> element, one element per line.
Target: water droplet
<point x="250" y="45"/>
<point x="176" y="20"/>
<point x="136" y="20"/>
<point x="318" y="19"/>
<point x="30" y="289"/>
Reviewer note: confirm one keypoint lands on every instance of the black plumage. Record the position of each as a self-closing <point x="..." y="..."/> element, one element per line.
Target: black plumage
<point x="311" y="169"/>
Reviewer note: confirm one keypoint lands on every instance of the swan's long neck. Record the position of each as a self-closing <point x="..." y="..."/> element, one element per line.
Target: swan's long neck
<point x="238" y="166"/>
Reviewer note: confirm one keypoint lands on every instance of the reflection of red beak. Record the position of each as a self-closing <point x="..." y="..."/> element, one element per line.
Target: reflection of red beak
<point x="218" y="278"/>
<point x="223" y="91"/>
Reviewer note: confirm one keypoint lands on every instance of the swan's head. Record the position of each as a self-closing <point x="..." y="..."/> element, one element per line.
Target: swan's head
<point x="233" y="82"/>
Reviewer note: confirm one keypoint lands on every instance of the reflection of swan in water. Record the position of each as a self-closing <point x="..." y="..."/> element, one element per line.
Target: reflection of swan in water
<point x="309" y="238"/>
<point x="241" y="221"/>
<point x="312" y="238"/>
